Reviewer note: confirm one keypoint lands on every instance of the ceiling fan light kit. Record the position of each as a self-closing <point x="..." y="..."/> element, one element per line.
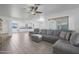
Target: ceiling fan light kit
<point x="33" y="9"/>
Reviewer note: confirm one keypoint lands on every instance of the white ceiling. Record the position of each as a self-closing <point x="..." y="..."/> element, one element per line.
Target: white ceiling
<point x="54" y="8"/>
<point x="17" y="10"/>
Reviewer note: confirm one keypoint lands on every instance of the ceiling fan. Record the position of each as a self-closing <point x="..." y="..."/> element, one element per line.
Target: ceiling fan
<point x="34" y="9"/>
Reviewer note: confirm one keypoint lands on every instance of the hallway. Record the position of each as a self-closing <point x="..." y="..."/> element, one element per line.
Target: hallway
<point x="20" y="43"/>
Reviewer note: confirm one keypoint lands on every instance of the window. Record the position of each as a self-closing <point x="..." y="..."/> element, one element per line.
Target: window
<point x="60" y="23"/>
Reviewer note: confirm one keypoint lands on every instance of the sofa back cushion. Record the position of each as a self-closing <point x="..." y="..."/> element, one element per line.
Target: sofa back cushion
<point x="49" y="32"/>
<point x="43" y="31"/>
<point x="74" y="40"/>
<point x="68" y="35"/>
<point x="62" y="34"/>
<point x="56" y="32"/>
<point x="36" y="31"/>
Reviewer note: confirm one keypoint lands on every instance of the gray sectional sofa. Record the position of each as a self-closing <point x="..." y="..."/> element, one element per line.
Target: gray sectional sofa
<point x="63" y="42"/>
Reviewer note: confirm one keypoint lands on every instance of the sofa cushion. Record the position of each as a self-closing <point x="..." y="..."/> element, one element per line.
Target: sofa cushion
<point x="43" y="31"/>
<point x="36" y="31"/>
<point x="68" y="34"/>
<point x="36" y="37"/>
<point x="49" y="32"/>
<point x="50" y="38"/>
<point x="74" y="40"/>
<point x="56" y="32"/>
<point x="62" y="34"/>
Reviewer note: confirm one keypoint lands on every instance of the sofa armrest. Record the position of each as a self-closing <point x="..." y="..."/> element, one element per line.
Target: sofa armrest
<point x="63" y="46"/>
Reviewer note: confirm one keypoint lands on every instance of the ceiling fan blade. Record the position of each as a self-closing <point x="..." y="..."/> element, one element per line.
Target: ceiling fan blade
<point x="36" y="8"/>
<point x="34" y="14"/>
<point x="38" y="12"/>
<point x="31" y="8"/>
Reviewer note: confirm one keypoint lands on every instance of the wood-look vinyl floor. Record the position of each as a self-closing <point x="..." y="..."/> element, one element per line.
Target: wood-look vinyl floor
<point x="20" y="43"/>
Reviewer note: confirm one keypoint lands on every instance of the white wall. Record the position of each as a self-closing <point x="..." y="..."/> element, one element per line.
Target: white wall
<point x="73" y="18"/>
<point x="39" y="22"/>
